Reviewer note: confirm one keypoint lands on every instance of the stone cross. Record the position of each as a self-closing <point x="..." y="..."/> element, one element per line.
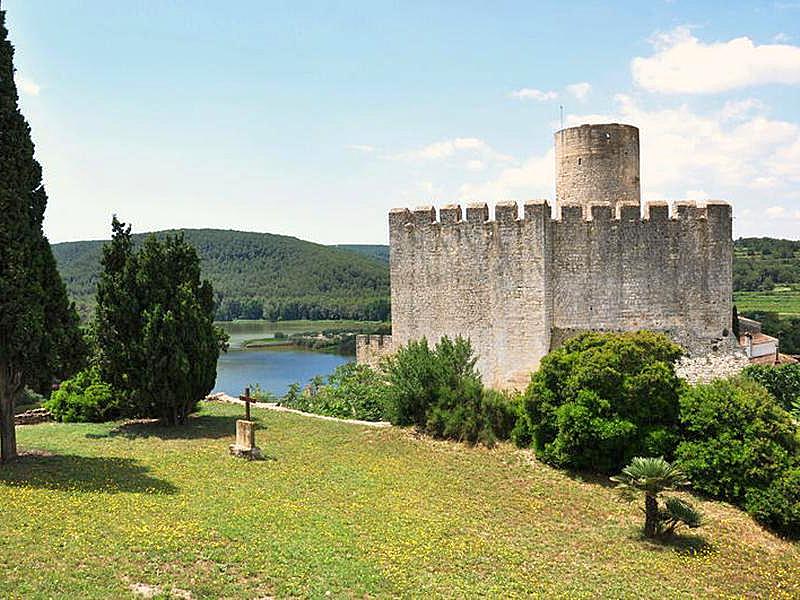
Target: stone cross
<point x="245" y="446"/>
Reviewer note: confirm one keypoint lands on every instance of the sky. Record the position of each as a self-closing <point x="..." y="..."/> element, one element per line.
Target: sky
<point x="314" y="119"/>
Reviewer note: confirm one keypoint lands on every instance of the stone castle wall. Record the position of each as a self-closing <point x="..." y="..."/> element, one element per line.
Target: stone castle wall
<point x="370" y="349"/>
<point x="659" y="273"/>
<point x="519" y="285"/>
<point x="482" y="279"/>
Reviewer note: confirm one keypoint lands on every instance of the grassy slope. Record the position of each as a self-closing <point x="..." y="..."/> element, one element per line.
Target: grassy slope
<point x="243" y="264"/>
<point x="355" y="511"/>
<point x="784" y="300"/>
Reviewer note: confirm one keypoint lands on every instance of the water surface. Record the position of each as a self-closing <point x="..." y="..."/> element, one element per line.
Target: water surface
<point x="273" y="369"/>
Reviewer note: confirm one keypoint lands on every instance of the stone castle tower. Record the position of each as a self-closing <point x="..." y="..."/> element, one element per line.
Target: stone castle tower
<point x="598" y="163"/>
<point x="518" y="285"/>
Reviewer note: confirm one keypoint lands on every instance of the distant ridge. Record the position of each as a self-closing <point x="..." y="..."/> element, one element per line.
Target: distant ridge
<point x="376" y="251"/>
<point x="260" y="275"/>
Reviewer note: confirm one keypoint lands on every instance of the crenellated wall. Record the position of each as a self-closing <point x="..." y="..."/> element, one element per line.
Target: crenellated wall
<point x="466" y="275"/>
<point x="370" y="349"/>
<point x="659" y="273"/>
<point x="519" y="284"/>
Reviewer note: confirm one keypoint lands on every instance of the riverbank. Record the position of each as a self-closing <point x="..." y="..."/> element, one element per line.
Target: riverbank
<point x="336" y="337"/>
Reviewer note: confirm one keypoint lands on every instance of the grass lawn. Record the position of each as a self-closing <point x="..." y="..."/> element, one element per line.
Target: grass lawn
<point x="354" y="511"/>
<point x="783" y="299"/>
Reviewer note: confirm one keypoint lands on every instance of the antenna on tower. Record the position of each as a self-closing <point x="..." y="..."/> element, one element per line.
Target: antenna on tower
<point x="561" y="110"/>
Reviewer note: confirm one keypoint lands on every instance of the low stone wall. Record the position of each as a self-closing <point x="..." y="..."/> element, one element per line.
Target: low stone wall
<point x="33" y="417"/>
<point x="702" y="369"/>
<point x="371" y="349"/>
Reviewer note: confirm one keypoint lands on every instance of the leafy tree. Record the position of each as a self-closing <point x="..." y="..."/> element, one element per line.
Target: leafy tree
<point x="735" y="437"/>
<point x="740" y="445"/>
<point x="39" y="337"/>
<point x="156" y="340"/>
<point x="603" y="398"/>
<point x="782" y="381"/>
<point x="418" y="375"/>
<point x="778" y="504"/>
<point x="653" y="476"/>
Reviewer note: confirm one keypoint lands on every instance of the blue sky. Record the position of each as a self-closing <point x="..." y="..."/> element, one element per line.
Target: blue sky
<point x="314" y="119"/>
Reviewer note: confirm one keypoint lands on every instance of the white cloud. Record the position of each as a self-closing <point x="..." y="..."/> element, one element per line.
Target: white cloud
<point x="682" y="149"/>
<point x="533" y="178"/>
<point x="580" y="90"/>
<point x="684" y="155"/>
<point x="775" y="211"/>
<point x="781" y="38"/>
<point x="697" y="195"/>
<point x="449" y="148"/>
<point x="27" y="86"/>
<point x="740" y="109"/>
<point x="534" y="94"/>
<point x="475" y="165"/>
<point x="682" y="64"/>
<point x="361" y="148"/>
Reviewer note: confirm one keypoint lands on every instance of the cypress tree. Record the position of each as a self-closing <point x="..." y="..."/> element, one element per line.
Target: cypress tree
<point x="39" y="336"/>
<point x="157" y="344"/>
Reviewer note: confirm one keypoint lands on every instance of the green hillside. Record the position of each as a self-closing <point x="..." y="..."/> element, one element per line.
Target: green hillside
<point x="258" y="275"/>
<point x="377" y="251"/>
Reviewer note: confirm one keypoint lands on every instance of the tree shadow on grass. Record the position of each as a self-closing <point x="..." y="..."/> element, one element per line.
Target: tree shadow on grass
<point x="197" y="427"/>
<point x="682" y="543"/>
<point x="82" y="473"/>
<point x="590" y="477"/>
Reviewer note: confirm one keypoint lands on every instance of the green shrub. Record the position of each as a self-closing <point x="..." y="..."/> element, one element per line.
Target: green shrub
<point x="439" y="391"/>
<point x="735" y="437"/>
<point x="353" y="391"/>
<point x="782" y="381"/>
<point x="30" y="397"/>
<point x="84" y="398"/>
<point x="602" y="399"/>
<point x="418" y="375"/>
<point x="471" y="413"/>
<point x="259" y="394"/>
<point x="778" y="505"/>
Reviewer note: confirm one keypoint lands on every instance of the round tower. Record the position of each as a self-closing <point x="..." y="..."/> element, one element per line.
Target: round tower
<point x="598" y="163"/>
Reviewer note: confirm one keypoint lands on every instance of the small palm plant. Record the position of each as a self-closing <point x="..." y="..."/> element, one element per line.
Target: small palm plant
<point x="654" y="476"/>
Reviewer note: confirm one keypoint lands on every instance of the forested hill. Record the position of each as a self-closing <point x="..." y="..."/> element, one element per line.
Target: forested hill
<point x="380" y="252"/>
<point x="762" y="263"/>
<point x="259" y="275"/>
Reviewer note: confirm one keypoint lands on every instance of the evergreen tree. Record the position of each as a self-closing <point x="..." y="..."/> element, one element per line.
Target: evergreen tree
<point x="39" y="337"/>
<point x="157" y="343"/>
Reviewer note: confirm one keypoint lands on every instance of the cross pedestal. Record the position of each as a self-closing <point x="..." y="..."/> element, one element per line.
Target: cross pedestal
<point x="245" y="446"/>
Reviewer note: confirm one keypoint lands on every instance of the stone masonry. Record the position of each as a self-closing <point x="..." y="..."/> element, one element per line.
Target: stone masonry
<point x="521" y="283"/>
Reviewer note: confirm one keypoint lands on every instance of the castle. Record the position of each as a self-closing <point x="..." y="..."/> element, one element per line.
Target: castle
<point x="520" y="284"/>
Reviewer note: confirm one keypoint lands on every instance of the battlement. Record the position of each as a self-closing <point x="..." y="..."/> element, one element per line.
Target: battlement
<point x="371" y="349"/>
<point x="519" y="279"/>
<point x="506" y="213"/>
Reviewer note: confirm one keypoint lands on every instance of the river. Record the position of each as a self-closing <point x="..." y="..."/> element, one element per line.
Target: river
<point x="273" y="369"/>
